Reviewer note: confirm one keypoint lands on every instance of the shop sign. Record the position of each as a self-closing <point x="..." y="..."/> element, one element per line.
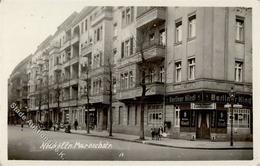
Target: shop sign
<point x="203" y="106"/>
<point x="185" y="118"/>
<point x="221" y="119"/>
<point x="206" y="96"/>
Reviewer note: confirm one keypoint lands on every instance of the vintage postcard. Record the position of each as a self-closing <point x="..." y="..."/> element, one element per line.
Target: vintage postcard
<point x="107" y="82"/>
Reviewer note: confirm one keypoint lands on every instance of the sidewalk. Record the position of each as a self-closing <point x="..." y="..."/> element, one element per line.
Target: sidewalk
<point x="167" y="142"/>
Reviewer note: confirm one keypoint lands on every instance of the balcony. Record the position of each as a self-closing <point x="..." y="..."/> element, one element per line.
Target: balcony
<point x="54" y="50"/>
<point x="150" y="15"/>
<point x="152" y="51"/>
<point x="34" y="65"/>
<point x="40" y="61"/>
<point x="65" y="83"/>
<point x="38" y="76"/>
<point x="100" y="98"/>
<point x="74" y="81"/>
<point x="103" y="13"/>
<point x="65" y="45"/>
<point x="75" y="39"/>
<point x="97" y="71"/>
<point x="74" y="59"/>
<point x="156" y="88"/>
<point x="87" y="48"/>
<point x="57" y="67"/>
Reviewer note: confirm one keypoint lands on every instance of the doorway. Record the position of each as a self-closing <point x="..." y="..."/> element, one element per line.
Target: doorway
<point x="203" y="124"/>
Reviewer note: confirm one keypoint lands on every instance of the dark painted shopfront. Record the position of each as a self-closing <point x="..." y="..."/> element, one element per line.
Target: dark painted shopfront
<point x="203" y="114"/>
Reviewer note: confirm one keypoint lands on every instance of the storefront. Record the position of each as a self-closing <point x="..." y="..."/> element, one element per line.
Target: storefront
<point x="202" y="115"/>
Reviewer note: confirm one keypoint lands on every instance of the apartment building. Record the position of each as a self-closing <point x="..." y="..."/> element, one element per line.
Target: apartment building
<point x="38" y="74"/>
<point x="18" y="90"/>
<point x="193" y="56"/>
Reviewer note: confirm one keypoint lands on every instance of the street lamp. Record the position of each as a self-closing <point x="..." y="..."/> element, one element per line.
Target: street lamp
<point x="232" y="100"/>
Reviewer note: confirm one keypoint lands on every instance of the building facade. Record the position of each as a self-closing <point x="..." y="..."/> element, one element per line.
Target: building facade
<point x="193" y="56"/>
<point x="18" y="91"/>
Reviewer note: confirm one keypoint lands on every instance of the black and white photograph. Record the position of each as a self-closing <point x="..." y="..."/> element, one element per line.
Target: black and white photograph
<point x="127" y="82"/>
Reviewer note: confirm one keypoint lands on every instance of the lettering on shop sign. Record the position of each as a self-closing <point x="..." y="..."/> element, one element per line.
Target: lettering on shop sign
<point x="208" y="97"/>
<point x="184" y="98"/>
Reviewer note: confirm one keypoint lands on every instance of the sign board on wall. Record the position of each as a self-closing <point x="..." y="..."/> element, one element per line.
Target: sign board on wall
<point x="202" y="106"/>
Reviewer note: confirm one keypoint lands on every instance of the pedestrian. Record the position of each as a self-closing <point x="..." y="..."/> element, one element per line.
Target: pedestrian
<point x="21" y="125"/>
<point x="152" y="133"/>
<point x="160" y="132"/>
<point x="75" y="124"/>
<point x="50" y="124"/>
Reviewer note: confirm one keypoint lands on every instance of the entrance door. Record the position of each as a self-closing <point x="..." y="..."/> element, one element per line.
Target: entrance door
<point x="203" y="130"/>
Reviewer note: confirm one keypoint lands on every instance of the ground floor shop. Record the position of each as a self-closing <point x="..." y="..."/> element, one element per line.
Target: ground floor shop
<point x="190" y="116"/>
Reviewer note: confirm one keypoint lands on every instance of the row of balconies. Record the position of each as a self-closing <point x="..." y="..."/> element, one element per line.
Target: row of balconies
<point x="151" y="51"/>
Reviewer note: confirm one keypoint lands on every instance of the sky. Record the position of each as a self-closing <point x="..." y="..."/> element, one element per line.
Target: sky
<point x="27" y="23"/>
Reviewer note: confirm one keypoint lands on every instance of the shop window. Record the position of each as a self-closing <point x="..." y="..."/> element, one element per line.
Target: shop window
<point x="155" y="114"/>
<point x="241" y="118"/>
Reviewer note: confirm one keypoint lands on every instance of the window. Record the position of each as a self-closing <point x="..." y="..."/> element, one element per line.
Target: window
<point x="238" y="71"/>
<point x="82" y="27"/>
<point x="122" y="50"/>
<point x="127" y="16"/>
<point x="126" y="80"/>
<point x="86" y="25"/>
<point x="122" y="81"/>
<point x="114" y="84"/>
<point x="131" y="46"/>
<point x="178" y="71"/>
<point x="152" y="75"/>
<point x="151" y="37"/>
<point x="178" y="33"/>
<point x="241" y="118"/>
<point x="131" y="79"/>
<point x="192" y="26"/>
<point x="161" y="77"/>
<point x="162" y="40"/>
<point x="98" y="34"/>
<point x="127" y="47"/>
<point x="239" y="29"/>
<point x="115" y="29"/>
<point x="155" y="114"/>
<point x="191" y="69"/>
<point x="97" y="60"/>
<point x="177" y="116"/>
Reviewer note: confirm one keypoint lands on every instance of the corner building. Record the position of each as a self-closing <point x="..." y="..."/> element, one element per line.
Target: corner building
<point x="194" y="54"/>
